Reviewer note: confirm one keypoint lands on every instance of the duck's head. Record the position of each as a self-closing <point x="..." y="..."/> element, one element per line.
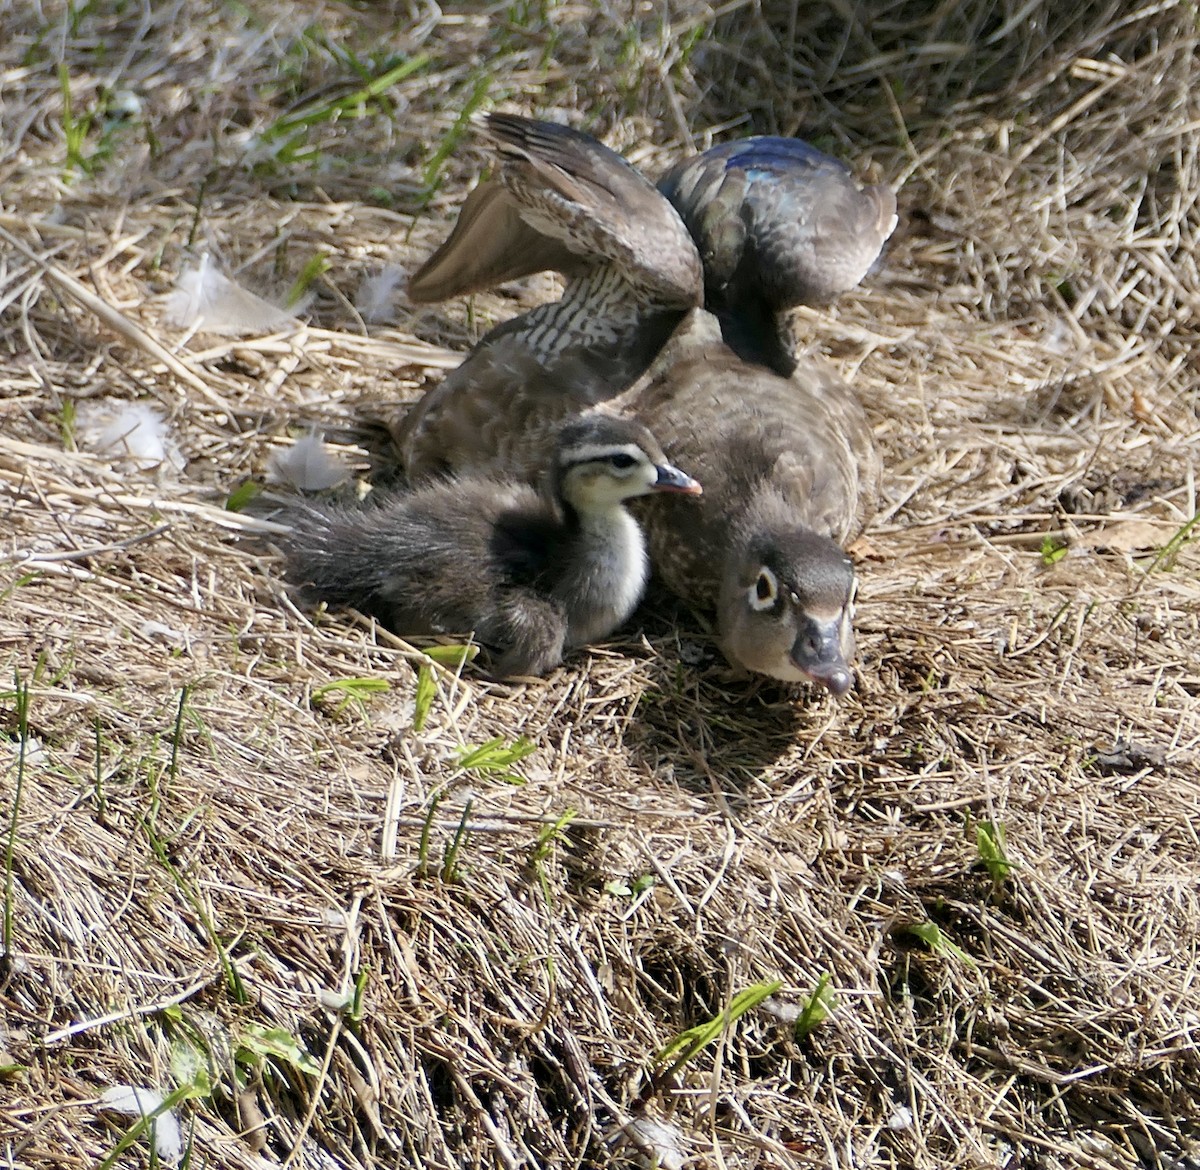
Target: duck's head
<point x="786" y="609"/>
<point x="603" y="460"/>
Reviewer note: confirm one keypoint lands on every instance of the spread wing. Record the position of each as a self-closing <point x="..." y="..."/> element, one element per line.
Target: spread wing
<point x="778" y="219"/>
<point x="564" y="201"/>
<point x="489" y="245"/>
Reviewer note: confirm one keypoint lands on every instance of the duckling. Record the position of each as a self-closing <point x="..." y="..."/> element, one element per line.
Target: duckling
<point x="532" y="573"/>
<point x="778" y="224"/>
<point x="790" y="457"/>
<point x="560" y="201"/>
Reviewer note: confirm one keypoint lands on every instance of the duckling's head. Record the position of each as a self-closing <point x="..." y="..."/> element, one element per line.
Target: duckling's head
<point x="786" y="608"/>
<point x="602" y="460"/>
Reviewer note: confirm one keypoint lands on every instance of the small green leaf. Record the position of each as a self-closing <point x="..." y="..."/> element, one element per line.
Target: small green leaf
<point x="242" y="495"/>
<point x="496" y="757"/>
<point x="1054" y="548"/>
<point x="452" y="656"/>
<point x="351" y="690"/>
<point x="817" y="1008"/>
<point x="989" y="842"/>
<point x="257" y="1043"/>
<point x="549" y="834"/>
<point x="937" y="941"/>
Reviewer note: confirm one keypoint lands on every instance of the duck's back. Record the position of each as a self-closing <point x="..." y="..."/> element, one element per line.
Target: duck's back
<point x="744" y="430"/>
<point x="501" y="408"/>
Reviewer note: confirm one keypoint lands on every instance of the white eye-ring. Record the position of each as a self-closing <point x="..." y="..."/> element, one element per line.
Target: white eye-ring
<point x="763" y="592"/>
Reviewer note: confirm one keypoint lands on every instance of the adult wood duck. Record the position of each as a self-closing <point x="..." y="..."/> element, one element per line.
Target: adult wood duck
<point x="790" y="471"/>
<point x="531" y="573"/>
<point x="790" y="457"/>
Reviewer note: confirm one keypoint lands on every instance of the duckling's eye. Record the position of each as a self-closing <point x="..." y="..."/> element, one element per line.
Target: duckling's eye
<point x="622" y="460"/>
<point x="765" y="589"/>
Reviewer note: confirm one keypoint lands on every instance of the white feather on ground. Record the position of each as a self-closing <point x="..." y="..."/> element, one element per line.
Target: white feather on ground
<point x="307" y="466"/>
<point x="205" y="299"/>
<point x="130" y="1101"/>
<point x="133" y="433"/>
<point x="376" y="296"/>
<point x="652" y="1143"/>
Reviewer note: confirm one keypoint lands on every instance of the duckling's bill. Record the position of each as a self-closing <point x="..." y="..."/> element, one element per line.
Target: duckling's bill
<point x="671" y="479"/>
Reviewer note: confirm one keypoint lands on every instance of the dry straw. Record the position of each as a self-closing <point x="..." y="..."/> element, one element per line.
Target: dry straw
<point x="324" y="937"/>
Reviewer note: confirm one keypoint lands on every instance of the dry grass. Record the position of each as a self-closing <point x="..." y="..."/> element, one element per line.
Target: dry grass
<point x="205" y="847"/>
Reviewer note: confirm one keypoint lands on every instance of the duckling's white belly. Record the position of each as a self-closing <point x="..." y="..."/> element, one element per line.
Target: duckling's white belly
<point x="609" y="580"/>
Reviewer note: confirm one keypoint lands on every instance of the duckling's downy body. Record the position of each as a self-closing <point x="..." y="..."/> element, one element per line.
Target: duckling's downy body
<point x="531" y="573"/>
<point x="784" y="450"/>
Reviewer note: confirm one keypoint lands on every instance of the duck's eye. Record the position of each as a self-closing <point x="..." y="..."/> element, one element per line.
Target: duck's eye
<point x="764" y="590"/>
<point x="622" y="460"/>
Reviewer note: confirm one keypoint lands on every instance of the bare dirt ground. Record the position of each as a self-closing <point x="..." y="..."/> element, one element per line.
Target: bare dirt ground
<point x="326" y="936"/>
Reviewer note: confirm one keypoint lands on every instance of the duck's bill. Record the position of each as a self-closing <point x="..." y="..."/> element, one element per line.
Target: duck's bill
<point x="818" y="654"/>
<point x="671" y="479"/>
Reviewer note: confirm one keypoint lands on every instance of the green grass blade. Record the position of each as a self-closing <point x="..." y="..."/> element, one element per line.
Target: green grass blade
<point x="1169" y="551"/>
<point x="426" y="691"/>
<point x="449" y="144"/>
<point x="939" y="942"/>
<point x="692" y="1041"/>
<point x="817" y="1008"/>
<point x="21" y="698"/>
<point x="314" y="115"/>
<point x="450" y="871"/>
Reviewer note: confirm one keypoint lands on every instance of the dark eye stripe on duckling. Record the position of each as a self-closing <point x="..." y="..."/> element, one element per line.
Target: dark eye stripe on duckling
<point x="617" y="458"/>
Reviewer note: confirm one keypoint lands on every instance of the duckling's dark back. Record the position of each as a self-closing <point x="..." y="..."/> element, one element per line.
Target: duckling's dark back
<point x="412" y="559"/>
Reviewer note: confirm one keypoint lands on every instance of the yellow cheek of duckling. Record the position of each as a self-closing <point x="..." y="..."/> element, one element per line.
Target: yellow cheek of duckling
<point x="613" y="483"/>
